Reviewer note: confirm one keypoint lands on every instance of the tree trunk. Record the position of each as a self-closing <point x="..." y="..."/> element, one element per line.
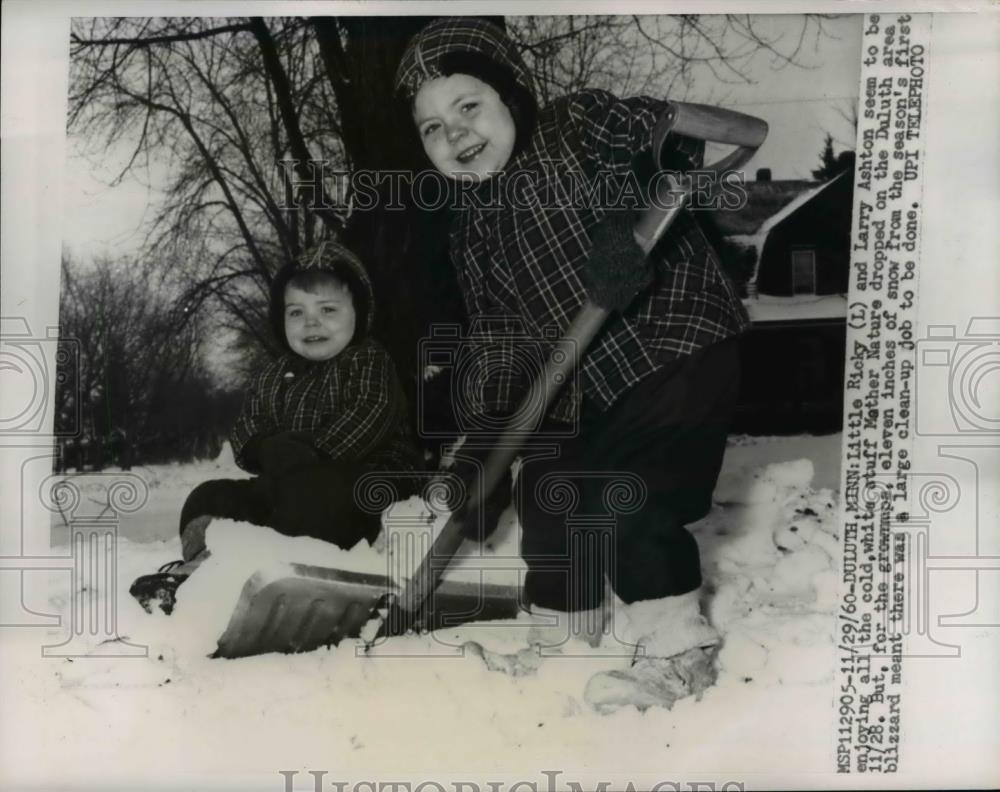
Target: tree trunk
<point x="404" y="249"/>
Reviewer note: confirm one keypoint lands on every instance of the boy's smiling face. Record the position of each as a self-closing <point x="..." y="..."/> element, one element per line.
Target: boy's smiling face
<point x="319" y="323"/>
<point x="465" y="128"/>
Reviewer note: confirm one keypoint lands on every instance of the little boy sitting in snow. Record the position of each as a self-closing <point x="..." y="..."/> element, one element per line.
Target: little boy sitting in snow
<point x="325" y="412"/>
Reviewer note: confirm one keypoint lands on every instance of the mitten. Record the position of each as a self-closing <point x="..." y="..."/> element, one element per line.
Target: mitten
<point x="285" y="452"/>
<point x="250" y="453"/>
<point x="617" y="268"/>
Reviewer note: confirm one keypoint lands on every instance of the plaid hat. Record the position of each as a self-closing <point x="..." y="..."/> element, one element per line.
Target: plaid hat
<point x="339" y="262"/>
<point x="422" y="59"/>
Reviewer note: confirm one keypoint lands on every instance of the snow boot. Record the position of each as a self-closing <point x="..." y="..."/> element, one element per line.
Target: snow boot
<point x="548" y="638"/>
<point x="653" y="682"/>
<point x="161" y="586"/>
<point x="674" y="659"/>
<point x="543" y="639"/>
<point x="516" y="664"/>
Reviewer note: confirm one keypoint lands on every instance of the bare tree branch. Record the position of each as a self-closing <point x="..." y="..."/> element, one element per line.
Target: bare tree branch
<point x="150" y="41"/>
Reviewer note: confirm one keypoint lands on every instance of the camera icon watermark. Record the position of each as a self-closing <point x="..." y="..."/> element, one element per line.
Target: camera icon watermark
<point x="34" y="367"/>
<point x="925" y="579"/>
<point x="958" y="379"/>
<point x="497" y="364"/>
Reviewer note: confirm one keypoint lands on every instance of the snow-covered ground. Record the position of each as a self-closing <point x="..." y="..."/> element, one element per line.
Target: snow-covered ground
<point x="177" y="719"/>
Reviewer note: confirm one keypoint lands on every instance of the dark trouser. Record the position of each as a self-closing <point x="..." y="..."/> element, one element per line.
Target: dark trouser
<point x="315" y="501"/>
<point x="669" y="431"/>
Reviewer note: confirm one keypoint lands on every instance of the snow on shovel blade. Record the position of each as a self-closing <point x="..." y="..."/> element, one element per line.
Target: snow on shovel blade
<point x="298" y="608"/>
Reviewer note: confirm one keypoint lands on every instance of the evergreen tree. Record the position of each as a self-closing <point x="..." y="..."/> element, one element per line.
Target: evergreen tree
<point x="828" y="162"/>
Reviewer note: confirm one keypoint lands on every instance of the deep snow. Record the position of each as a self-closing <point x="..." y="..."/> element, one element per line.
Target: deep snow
<point x="770" y="551"/>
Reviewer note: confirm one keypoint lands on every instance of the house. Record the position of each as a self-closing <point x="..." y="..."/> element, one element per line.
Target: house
<point x="788" y="247"/>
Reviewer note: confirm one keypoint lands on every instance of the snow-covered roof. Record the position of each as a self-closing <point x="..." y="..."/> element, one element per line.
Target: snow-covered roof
<point x="801" y="307"/>
<point x="759" y="237"/>
<point x="763" y="199"/>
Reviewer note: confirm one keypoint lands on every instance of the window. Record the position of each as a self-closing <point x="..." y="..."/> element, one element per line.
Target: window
<point x="803" y="272"/>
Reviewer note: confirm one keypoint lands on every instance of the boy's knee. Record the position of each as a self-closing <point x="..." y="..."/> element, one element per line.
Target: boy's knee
<point x="199" y="501"/>
<point x="235" y="499"/>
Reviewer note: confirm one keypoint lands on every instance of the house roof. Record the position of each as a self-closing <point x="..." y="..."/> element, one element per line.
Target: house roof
<point x="764" y="200"/>
<point x="756" y="239"/>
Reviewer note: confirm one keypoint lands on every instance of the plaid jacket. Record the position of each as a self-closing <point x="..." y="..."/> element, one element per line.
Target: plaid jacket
<point x="525" y="259"/>
<point x="353" y="404"/>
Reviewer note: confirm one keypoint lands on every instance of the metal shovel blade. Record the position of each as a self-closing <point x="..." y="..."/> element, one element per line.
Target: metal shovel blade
<point x="298" y="608"/>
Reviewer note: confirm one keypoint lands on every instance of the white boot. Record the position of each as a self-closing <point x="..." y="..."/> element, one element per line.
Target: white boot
<point x="554" y="628"/>
<point x="674" y="656"/>
<point x="548" y="635"/>
<point x="668" y="626"/>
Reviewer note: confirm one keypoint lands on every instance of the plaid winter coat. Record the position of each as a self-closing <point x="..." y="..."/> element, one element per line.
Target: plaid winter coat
<point x="352" y="406"/>
<point x="523" y="257"/>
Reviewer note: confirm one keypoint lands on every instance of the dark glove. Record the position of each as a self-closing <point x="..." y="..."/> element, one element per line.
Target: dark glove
<point x="285" y="452"/>
<point x="468" y="467"/>
<point x="617" y="269"/>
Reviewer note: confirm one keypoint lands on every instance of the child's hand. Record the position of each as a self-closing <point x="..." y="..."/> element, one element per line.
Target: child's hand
<point x="617" y="269"/>
<point x="285" y="451"/>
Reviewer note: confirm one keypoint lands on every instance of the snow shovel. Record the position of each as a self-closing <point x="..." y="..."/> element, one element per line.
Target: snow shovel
<point x="303" y="607"/>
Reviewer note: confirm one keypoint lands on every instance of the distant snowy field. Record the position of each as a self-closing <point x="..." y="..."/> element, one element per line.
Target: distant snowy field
<point x="175" y="718"/>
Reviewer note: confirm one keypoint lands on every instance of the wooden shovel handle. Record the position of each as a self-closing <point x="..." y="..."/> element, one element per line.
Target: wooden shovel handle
<point x="705" y="122"/>
<point x="564" y="358"/>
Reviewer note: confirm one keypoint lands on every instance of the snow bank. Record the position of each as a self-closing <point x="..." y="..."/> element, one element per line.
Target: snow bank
<point x="226" y="459"/>
<point x="205" y="601"/>
<point x="775" y="555"/>
<point x="427" y="705"/>
<point x="208" y="597"/>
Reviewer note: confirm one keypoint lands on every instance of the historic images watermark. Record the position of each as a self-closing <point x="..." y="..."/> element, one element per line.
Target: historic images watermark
<point x="43" y="371"/>
<point x="549" y="186"/>
<point x="495" y="364"/>
<point x="497" y="361"/>
<point x="957" y="404"/>
<point x="34" y="366"/>
<point x="90" y="507"/>
<point x="590" y="504"/>
<point x="318" y="781"/>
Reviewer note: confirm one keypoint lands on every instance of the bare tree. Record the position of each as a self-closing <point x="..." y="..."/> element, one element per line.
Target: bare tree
<point x="195" y="96"/>
<point x="216" y="104"/>
<point x="848" y="111"/>
<point x="138" y="382"/>
<point x="658" y="55"/>
<point x="132" y="356"/>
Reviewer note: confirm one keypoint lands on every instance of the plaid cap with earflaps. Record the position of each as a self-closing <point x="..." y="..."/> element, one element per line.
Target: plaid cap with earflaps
<point x="422" y="59"/>
<point x="325" y="255"/>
